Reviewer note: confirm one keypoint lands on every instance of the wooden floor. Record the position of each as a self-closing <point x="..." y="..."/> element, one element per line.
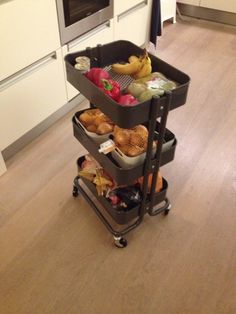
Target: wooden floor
<point x="57" y="257"/>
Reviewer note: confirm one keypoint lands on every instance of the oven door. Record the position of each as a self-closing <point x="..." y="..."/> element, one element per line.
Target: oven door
<point x="77" y="17"/>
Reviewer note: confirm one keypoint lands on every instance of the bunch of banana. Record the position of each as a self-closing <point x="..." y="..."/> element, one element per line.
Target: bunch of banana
<point x="137" y="67"/>
<point x="145" y="69"/>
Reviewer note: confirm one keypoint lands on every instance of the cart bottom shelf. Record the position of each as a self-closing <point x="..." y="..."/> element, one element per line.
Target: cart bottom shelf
<point x="123" y="217"/>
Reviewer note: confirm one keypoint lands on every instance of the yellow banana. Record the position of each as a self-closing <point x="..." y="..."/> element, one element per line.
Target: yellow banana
<point x="145" y="69"/>
<point x="127" y="68"/>
<point x="133" y="58"/>
<point x="137" y="67"/>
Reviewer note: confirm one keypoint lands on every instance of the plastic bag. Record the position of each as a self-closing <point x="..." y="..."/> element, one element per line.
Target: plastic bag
<point x="124" y="198"/>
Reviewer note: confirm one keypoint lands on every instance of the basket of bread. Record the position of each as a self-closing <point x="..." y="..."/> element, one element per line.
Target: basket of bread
<point x="95" y="124"/>
<point x="131" y="146"/>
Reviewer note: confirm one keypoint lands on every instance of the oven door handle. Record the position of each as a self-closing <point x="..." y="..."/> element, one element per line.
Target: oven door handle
<point x="88" y="35"/>
<point x="131" y="10"/>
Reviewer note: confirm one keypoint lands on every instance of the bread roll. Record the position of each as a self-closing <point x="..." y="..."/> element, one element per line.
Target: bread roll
<point x="93" y="112"/>
<point x="122" y="137"/>
<point x="117" y="129"/>
<point x="86" y="119"/>
<point x="104" y="128"/>
<point x="137" y="139"/>
<point x="142" y="130"/>
<point x="98" y="119"/>
<point x="124" y="149"/>
<point x="92" y="128"/>
<point x="135" y="151"/>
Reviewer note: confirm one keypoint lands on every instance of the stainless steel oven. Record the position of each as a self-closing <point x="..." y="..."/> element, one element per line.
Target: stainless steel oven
<point x="77" y="17"/>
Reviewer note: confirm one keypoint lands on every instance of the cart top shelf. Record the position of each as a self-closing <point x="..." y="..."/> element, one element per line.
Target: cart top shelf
<point x="105" y="55"/>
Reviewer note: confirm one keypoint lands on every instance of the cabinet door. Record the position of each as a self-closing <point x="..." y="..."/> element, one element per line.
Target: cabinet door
<point x="168" y="9"/>
<point x="133" y="24"/>
<point x="191" y="2"/>
<point x="31" y="96"/>
<point x="229" y="5"/>
<point x="28" y="32"/>
<point x="100" y="35"/>
<point x="121" y="6"/>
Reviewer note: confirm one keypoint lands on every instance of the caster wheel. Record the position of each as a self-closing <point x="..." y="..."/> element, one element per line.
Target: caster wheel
<point x="166" y="211"/>
<point x="75" y="192"/>
<point x="120" y="242"/>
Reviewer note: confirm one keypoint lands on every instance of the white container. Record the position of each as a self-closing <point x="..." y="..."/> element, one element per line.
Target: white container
<point x="96" y="137"/>
<point x="127" y="162"/>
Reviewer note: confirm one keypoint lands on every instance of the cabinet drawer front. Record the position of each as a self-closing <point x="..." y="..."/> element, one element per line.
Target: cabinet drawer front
<point x="121" y="6"/>
<point x="133" y="25"/>
<point x="191" y="2"/>
<point x="100" y="35"/>
<point x="27" y="101"/>
<point x="28" y="32"/>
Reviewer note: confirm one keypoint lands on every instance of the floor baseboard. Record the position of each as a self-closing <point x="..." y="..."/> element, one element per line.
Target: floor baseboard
<point x="207" y="14"/>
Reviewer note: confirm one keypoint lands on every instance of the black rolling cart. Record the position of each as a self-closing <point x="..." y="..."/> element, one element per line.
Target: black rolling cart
<point x="153" y="113"/>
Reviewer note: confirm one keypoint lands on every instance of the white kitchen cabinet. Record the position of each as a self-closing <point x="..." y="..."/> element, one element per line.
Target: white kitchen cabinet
<point x="168" y="10"/>
<point x="229" y="5"/>
<point x="102" y="34"/>
<point x="191" y="2"/>
<point x="28" y="31"/>
<point x="30" y="96"/>
<point x="133" y="24"/>
<point x="121" y="6"/>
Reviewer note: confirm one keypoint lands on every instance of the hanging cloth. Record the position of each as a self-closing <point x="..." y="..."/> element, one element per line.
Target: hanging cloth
<point x="155" y="21"/>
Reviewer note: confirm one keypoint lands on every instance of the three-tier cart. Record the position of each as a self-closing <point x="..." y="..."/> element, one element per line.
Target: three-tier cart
<point x="152" y="113"/>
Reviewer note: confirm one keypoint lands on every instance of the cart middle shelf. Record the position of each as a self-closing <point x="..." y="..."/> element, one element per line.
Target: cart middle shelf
<point x="118" y="173"/>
